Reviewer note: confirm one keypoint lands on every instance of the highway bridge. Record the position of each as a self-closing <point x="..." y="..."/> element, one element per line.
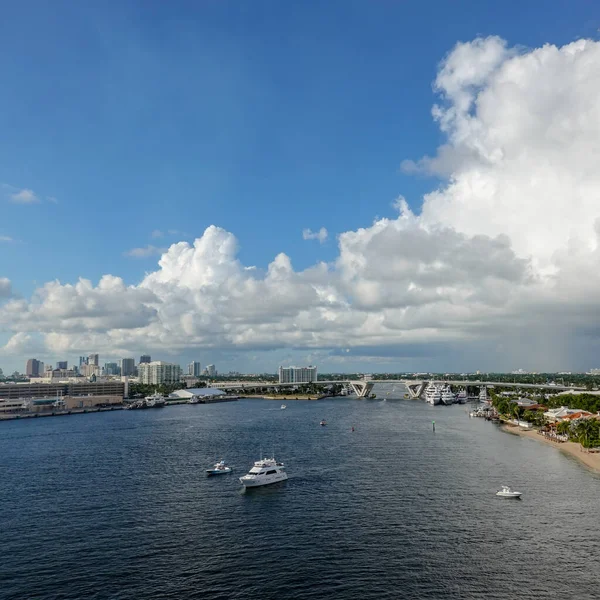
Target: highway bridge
<point x="363" y="388"/>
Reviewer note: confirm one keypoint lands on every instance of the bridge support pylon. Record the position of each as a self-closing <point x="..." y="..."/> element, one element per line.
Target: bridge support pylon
<point x="362" y="389"/>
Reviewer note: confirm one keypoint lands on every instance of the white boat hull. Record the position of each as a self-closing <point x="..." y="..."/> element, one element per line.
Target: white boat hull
<point x="509" y="494"/>
<point x="249" y="482"/>
<point x="218" y="471"/>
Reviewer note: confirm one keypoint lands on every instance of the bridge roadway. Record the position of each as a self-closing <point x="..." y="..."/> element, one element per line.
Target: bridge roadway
<point x="415" y="387"/>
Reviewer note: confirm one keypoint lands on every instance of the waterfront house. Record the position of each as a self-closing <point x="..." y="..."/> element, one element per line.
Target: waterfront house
<point x="566" y="414"/>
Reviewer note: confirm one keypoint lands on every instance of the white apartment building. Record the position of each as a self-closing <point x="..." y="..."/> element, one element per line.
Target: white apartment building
<point x="158" y="372"/>
<point x="297" y="374"/>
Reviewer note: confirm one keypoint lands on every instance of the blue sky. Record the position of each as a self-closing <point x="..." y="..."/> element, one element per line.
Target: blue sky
<point x="262" y="118"/>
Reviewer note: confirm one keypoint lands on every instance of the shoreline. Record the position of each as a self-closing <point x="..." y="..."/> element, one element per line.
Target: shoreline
<point x="272" y="397"/>
<point x="591" y="461"/>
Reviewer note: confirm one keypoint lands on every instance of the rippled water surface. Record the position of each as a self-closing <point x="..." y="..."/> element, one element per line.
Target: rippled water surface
<point x="116" y="505"/>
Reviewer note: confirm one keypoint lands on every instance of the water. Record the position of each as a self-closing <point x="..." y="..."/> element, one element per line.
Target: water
<point x="116" y="506"/>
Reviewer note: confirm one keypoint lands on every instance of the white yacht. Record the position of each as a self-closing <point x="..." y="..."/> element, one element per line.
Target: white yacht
<point x="155" y="401"/>
<point x="264" y="472"/>
<point x="283" y="407"/>
<point x="506" y="492"/>
<point x="447" y="396"/>
<point x="433" y="395"/>
<point x="462" y="397"/>
<point x="483" y="394"/>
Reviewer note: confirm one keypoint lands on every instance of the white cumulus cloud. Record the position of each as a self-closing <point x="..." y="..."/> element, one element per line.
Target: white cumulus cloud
<point x="24" y="196"/>
<point x="145" y="251"/>
<point x="320" y="235"/>
<point x="5" y="287"/>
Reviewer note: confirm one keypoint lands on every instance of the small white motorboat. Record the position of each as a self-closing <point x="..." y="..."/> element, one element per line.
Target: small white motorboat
<point x="506" y="492"/>
<point x="323" y="423"/>
<point x="220" y="468"/>
<point x="283" y="406"/>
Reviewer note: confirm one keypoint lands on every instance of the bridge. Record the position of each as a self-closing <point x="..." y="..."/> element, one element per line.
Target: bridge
<point x="363" y="388"/>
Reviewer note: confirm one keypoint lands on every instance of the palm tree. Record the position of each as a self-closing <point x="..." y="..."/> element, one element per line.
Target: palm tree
<point x="515" y="410"/>
<point x="564" y="427"/>
<point x="585" y="430"/>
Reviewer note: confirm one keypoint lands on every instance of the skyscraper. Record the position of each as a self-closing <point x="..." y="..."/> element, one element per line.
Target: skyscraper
<point x="127" y="367"/>
<point x="211" y="370"/>
<point x="111" y="369"/>
<point x="145" y="358"/>
<point x="94" y="359"/>
<point x="33" y="368"/>
<point x="83" y="360"/>
<point x="297" y="374"/>
<point x="194" y="368"/>
<point x="61" y="364"/>
<point x="158" y="372"/>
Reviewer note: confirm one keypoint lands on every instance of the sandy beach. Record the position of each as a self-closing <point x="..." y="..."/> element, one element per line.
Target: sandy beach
<point x="592" y="461"/>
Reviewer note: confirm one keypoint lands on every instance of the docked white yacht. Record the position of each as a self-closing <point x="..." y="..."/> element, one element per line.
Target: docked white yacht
<point x="433" y="394"/>
<point x="447" y="396"/>
<point x="506" y="492"/>
<point x="462" y="397"/>
<point x="483" y="394"/>
<point x="155" y="401"/>
<point x="264" y="472"/>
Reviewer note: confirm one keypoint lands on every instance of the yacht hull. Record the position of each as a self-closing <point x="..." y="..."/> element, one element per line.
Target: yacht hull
<point x="259" y="482"/>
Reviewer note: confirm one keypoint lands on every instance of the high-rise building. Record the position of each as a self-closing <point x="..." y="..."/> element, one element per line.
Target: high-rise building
<point x="145" y="358"/>
<point x="158" y="372"/>
<point x="61" y="364"/>
<point x="211" y="370"/>
<point x="297" y="374"/>
<point x="194" y="369"/>
<point x="90" y="370"/>
<point x="94" y="359"/>
<point x="127" y="367"/>
<point x="33" y="368"/>
<point x="112" y="368"/>
<point x="83" y="360"/>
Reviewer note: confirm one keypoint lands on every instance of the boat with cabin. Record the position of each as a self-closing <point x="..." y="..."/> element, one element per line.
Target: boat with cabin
<point x="220" y="468"/>
<point x="264" y="472"/>
<point x="447" y="396"/>
<point x="155" y="401"/>
<point x="433" y="394"/>
<point x="506" y="492"/>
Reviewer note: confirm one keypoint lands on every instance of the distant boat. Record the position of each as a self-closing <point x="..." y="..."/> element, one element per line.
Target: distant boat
<point x="220" y="468"/>
<point x="506" y="492"/>
<point x="323" y="422"/>
<point x="433" y="394"/>
<point x="155" y="401"/>
<point x="283" y="407"/>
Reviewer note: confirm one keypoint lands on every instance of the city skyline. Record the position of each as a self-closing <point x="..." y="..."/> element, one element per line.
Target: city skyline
<point x="394" y="193"/>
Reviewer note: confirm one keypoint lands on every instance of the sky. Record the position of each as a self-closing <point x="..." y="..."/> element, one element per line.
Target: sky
<point x="366" y="186"/>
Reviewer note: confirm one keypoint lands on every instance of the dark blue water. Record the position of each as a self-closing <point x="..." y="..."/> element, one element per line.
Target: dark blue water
<point x="116" y="506"/>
